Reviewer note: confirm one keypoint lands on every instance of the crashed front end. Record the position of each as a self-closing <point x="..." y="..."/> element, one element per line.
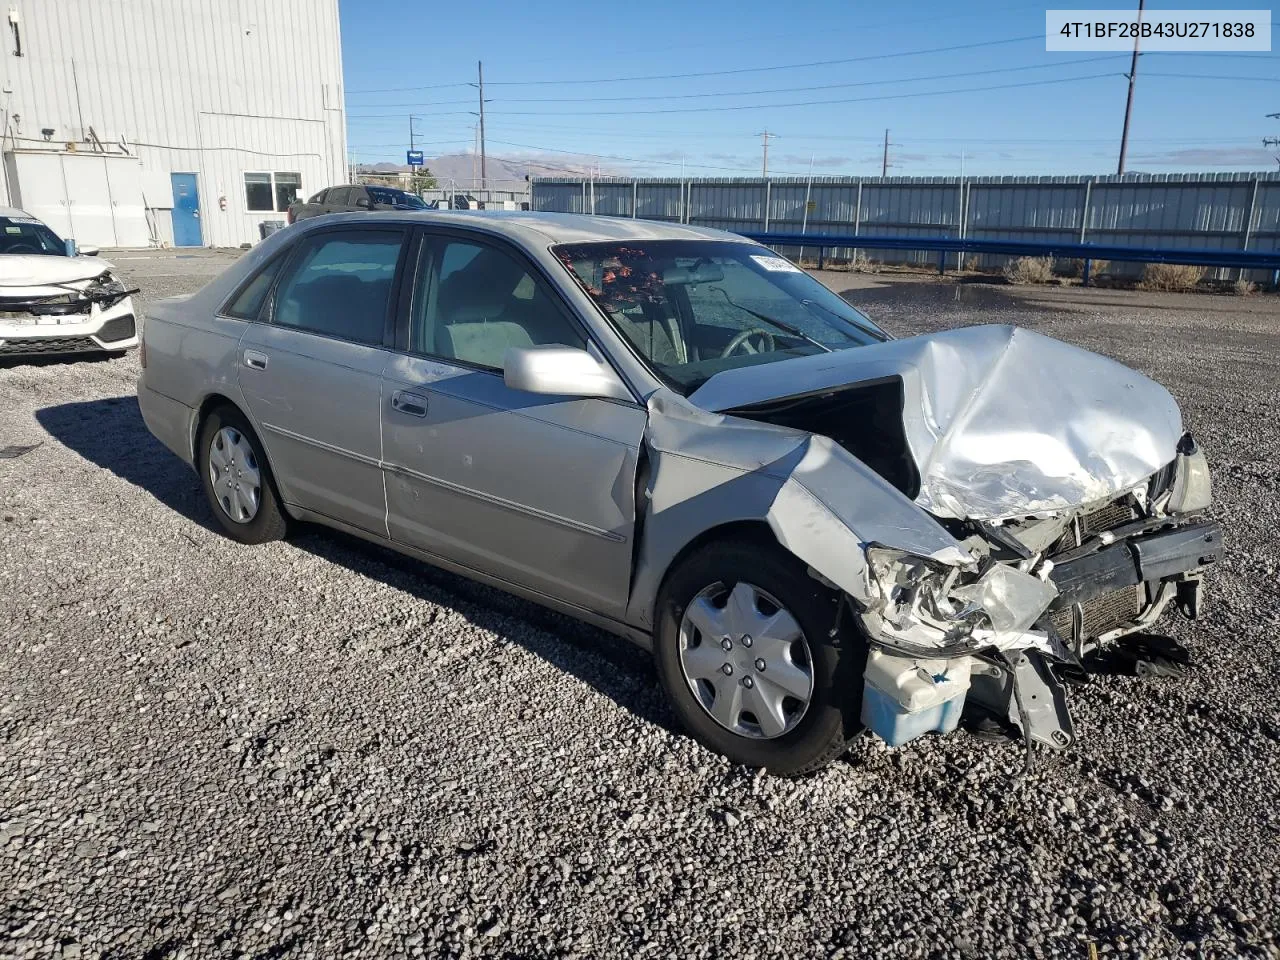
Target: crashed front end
<point x="71" y="316"/>
<point x="1019" y="505"/>
<point x="1039" y="600"/>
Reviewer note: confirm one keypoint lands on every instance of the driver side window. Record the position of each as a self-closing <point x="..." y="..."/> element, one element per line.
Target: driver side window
<point x="473" y="302"/>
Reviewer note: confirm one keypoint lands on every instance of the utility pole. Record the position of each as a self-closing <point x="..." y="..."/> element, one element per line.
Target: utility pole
<point x="1272" y="141"/>
<point x="764" y="142"/>
<point x="884" y="164"/>
<point x="480" y="77"/>
<point x="1128" y="107"/>
<point x="410" y="133"/>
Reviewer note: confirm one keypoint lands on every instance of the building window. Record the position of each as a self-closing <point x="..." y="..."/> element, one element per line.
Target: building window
<point x="271" y="192"/>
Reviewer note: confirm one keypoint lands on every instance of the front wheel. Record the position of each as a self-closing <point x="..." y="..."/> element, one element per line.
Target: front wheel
<point x="744" y="651"/>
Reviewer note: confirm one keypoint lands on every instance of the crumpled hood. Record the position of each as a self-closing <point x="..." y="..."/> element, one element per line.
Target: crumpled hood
<point x="30" y="272"/>
<point x="1001" y="422"/>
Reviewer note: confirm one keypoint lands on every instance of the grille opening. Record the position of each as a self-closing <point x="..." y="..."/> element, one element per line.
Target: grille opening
<point x="1102" y="613"/>
<point x="1106" y="517"/>
<point x="47" y="345"/>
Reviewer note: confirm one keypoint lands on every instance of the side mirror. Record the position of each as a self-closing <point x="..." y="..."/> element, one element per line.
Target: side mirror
<point x="364" y="203"/>
<point x="561" y="371"/>
<point x="89" y="251"/>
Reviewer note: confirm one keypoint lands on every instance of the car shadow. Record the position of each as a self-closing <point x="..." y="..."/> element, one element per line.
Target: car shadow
<point x="111" y="434"/>
<point x="8" y="362"/>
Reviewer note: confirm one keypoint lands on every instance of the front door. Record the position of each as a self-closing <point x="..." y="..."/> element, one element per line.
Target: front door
<point x="186" y="211"/>
<point x="312" y="375"/>
<point x="537" y="490"/>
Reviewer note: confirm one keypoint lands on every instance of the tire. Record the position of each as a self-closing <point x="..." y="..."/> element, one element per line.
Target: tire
<point x="815" y="734"/>
<point x="267" y="521"/>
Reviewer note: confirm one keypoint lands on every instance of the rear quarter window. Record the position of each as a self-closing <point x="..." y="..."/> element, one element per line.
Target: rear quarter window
<point x="247" y="303"/>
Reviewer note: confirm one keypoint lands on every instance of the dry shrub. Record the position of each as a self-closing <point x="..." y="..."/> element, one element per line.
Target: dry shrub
<point x="1245" y="288"/>
<point x="1175" y="277"/>
<point x="861" y="264"/>
<point x="1097" y="267"/>
<point x="1029" y="270"/>
<point x="971" y="264"/>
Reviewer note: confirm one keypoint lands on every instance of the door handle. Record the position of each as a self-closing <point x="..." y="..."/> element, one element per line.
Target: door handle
<point x="413" y="404"/>
<point x="252" y="358"/>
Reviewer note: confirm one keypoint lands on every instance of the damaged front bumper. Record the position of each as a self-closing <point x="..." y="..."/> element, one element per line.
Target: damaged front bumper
<point x="82" y="317"/>
<point x="1002" y="635"/>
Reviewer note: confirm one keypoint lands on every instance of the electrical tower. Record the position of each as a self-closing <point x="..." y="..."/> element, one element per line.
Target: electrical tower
<point x="1272" y="141"/>
<point x="764" y="143"/>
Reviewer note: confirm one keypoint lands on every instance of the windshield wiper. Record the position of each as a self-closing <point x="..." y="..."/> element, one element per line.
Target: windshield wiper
<point x="878" y="334"/>
<point x="780" y="324"/>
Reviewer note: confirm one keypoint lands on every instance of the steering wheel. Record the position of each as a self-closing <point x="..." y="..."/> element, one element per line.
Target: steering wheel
<point x="742" y="342"/>
<point x="21" y="248"/>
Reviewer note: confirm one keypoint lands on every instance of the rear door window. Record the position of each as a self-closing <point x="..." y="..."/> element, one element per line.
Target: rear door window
<point x="339" y="284"/>
<point x="337" y="196"/>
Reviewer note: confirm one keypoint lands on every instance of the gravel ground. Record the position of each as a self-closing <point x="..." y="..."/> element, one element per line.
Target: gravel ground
<point x="318" y="749"/>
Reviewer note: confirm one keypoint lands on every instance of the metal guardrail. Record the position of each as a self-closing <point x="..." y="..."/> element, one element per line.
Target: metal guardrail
<point x="1087" y="252"/>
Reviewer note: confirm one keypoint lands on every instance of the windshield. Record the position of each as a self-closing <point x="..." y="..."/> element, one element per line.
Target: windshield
<point x="693" y="308"/>
<point x="24" y="236"/>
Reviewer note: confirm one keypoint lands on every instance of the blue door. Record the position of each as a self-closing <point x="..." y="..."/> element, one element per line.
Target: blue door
<point x="186" y="211"/>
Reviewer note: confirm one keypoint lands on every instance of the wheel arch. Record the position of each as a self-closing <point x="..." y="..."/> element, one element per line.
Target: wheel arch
<point x="210" y="403"/>
<point x="650" y="584"/>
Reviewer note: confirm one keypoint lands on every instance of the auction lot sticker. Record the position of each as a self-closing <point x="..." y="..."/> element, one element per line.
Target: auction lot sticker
<point x="1186" y="30"/>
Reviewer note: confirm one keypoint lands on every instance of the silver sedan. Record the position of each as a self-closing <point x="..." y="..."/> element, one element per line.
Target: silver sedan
<point x="681" y="437"/>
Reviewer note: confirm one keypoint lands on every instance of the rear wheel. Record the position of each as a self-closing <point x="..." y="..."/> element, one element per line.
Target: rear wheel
<point x="237" y="479"/>
<point x="745" y="652"/>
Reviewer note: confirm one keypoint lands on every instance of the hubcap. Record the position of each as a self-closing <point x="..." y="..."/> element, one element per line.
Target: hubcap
<point x="234" y="473"/>
<point x="746" y="660"/>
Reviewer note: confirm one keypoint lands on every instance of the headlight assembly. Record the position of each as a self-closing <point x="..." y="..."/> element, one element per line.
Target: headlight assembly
<point x="923" y="604"/>
<point x="106" y="291"/>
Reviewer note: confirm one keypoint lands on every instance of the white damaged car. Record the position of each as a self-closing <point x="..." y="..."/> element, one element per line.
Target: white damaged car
<point x="55" y="299"/>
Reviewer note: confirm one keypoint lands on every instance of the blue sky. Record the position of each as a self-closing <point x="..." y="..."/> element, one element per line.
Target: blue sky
<point x="559" y="81"/>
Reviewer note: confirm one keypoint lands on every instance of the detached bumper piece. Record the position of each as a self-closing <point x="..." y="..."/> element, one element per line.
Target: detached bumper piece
<point x="1141" y="559"/>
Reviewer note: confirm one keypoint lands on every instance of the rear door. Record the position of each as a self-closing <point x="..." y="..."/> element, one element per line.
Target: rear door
<point x="537" y="490"/>
<point x="312" y="372"/>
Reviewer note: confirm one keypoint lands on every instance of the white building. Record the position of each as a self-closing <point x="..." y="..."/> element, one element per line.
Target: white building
<point x="188" y="122"/>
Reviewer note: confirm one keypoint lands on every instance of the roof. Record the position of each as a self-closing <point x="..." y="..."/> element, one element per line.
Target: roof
<point x="541" y="228"/>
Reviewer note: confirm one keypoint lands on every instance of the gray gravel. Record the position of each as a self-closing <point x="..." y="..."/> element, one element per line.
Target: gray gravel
<point x="318" y="749"/>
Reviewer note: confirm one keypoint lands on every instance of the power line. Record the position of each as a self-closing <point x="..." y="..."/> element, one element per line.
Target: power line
<point x="734" y="72"/>
<point x="822" y="86"/>
<point x="805" y="103"/>
<point x="1214" y="76"/>
<point x="794" y="66"/>
<point x="430" y="86"/>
